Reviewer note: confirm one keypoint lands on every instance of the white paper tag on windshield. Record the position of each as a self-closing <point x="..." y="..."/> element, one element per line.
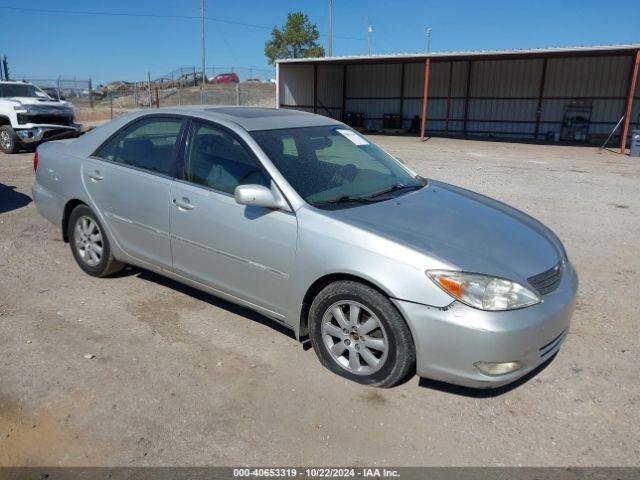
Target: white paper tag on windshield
<point x="354" y="137"/>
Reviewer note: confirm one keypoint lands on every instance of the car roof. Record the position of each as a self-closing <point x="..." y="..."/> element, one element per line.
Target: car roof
<point x="253" y="118"/>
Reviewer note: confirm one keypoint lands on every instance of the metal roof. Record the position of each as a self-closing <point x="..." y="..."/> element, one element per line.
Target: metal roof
<point x="480" y="54"/>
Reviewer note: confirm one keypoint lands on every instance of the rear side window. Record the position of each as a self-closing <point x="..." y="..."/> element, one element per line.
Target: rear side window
<point x="147" y="144"/>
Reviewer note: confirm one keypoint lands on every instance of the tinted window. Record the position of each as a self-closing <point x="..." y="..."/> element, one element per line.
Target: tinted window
<point x="147" y="144"/>
<point x="217" y="160"/>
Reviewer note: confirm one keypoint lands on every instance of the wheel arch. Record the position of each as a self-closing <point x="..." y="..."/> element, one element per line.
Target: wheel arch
<point x="66" y="214"/>
<point x="317" y="286"/>
<point x="4" y="120"/>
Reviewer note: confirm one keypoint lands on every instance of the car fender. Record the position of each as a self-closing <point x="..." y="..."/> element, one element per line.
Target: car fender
<point x="327" y="246"/>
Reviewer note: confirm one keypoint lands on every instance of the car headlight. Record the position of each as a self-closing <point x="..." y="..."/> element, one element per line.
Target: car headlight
<point x="482" y="291"/>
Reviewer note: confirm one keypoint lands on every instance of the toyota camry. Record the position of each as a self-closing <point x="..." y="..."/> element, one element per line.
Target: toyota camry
<point x="305" y="220"/>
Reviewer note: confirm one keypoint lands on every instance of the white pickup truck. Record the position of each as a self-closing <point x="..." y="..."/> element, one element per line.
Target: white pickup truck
<point x="28" y="117"/>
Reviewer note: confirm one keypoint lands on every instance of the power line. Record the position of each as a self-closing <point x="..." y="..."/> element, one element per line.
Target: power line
<point x="153" y="15"/>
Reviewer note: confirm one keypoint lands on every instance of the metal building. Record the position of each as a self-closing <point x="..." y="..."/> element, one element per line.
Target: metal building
<point x="558" y="94"/>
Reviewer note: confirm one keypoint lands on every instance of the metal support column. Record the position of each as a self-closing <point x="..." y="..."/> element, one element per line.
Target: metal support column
<point x="540" y="97"/>
<point x="344" y="90"/>
<point x="278" y="100"/>
<point x="425" y="94"/>
<point x="466" y="99"/>
<point x="446" y="120"/>
<point x="315" y="88"/>
<point x="629" y="109"/>
<point x="402" y="93"/>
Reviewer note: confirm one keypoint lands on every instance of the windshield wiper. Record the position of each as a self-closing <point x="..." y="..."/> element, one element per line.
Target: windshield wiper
<point x="395" y="188"/>
<point x="344" y="199"/>
<point x="373" y="198"/>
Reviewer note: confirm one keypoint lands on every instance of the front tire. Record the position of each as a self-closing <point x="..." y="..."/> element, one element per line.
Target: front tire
<point x="90" y="245"/>
<point x="358" y="334"/>
<point x="8" y="140"/>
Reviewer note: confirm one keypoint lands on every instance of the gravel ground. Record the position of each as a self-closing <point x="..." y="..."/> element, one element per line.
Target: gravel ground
<point x="182" y="378"/>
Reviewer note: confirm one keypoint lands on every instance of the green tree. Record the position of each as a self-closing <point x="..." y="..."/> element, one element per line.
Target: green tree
<point x="297" y="39"/>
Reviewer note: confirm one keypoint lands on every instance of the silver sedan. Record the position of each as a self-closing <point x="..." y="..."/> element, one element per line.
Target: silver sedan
<point x="304" y="220"/>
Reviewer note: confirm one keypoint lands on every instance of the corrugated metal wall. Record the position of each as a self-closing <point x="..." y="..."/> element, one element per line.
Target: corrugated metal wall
<point x="504" y="95"/>
<point x="374" y="90"/>
<point x="296" y="86"/>
<point x="501" y="99"/>
<point x="330" y="90"/>
<point x="601" y="80"/>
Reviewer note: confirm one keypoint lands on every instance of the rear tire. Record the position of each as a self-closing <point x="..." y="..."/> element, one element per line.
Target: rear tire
<point x="358" y="334"/>
<point x="9" y="142"/>
<point x="90" y="245"/>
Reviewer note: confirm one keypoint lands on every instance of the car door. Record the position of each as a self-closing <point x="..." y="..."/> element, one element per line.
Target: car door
<point x="244" y="251"/>
<point x="129" y="181"/>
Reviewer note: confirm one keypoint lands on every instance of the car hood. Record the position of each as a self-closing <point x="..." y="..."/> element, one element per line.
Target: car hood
<point x="473" y="232"/>
<point x="41" y="102"/>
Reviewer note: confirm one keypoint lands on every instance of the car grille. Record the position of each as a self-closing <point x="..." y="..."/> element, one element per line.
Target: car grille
<point x="551" y="346"/>
<point x="47" y="134"/>
<point x="546" y="282"/>
<point x="45" y="119"/>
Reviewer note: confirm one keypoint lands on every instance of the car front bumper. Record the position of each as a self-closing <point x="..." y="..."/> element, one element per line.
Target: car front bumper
<point x="31" y="134"/>
<point x="451" y="341"/>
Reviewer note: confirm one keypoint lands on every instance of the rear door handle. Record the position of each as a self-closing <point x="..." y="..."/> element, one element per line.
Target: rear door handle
<point x="95" y="176"/>
<point x="183" y="204"/>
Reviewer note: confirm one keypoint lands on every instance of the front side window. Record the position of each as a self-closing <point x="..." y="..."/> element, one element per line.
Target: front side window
<point x="217" y="160"/>
<point x="147" y="144"/>
<point x="333" y="165"/>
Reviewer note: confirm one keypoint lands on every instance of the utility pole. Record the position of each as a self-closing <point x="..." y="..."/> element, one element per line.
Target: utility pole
<point x="204" y="78"/>
<point x="428" y="46"/>
<point x="369" y="32"/>
<point x="149" y="88"/>
<point x="5" y="67"/>
<point x="330" y="31"/>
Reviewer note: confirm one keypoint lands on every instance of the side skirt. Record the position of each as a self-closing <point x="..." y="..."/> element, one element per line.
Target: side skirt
<point x="281" y="319"/>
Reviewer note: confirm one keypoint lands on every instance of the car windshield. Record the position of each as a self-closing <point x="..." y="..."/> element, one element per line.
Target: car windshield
<point x="19" y="90"/>
<point x="334" y="166"/>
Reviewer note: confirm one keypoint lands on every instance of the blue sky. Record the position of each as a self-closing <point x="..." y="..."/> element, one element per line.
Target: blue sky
<point x="46" y="44"/>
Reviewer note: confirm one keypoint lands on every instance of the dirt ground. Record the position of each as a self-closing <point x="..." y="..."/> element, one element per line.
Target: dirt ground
<point x="182" y="378"/>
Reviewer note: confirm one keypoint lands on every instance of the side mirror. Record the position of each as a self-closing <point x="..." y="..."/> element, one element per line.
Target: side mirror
<point x="260" y="196"/>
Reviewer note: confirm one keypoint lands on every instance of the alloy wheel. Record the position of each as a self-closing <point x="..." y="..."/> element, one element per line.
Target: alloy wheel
<point x="355" y="338"/>
<point x="5" y="140"/>
<point x="88" y="240"/>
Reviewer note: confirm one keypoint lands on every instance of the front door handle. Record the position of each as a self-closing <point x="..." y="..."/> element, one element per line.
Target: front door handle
<point x="95" y="176"/>
<point x="183" y="204"/>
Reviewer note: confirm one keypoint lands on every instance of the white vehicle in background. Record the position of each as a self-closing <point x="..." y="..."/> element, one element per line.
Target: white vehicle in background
<point x="28" y="117"/>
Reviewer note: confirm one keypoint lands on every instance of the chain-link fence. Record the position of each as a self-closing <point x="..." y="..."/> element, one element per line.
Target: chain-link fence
<point x="157" y="94"/>
<point x="190" y="76"/>
<point x="76" y="90"/>
<point x="183" y="86"/>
